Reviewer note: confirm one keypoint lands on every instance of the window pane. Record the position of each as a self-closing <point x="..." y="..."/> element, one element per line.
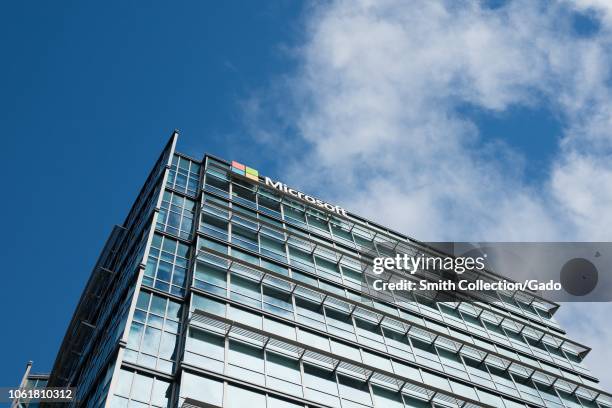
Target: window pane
<point x="238" y="397"/>
<point x="354" y="390"/>
<point x="124" y="383"/>
<point x="141" y="389"/>
<point x="202" y="389"/>
<point x="279" y="403"/>
<point x="209" y="305"/>
<point x="386" y="398"/>
<point x="162" y="391"/>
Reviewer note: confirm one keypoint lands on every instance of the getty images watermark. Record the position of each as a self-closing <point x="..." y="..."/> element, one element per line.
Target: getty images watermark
<point x="556" y="271"/>
<point x="458" y="265"/>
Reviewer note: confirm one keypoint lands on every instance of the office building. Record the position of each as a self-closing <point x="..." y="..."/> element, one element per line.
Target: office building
<point x="225" y="288"/>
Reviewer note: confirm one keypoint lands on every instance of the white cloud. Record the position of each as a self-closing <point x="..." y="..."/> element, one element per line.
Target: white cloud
<point x="583" y="185"/>
<point x="378" y="96"/>
<point x="602" y="7"/>
<point x="589" y="323"/>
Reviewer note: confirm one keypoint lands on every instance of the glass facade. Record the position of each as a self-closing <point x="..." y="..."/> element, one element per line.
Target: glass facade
<point x="218" y="291"/>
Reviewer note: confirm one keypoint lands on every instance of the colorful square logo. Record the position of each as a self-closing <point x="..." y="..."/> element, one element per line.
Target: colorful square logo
<point x="238" y="168"/>
<point x="243" y="170"/>
<point x="252" y="174"/>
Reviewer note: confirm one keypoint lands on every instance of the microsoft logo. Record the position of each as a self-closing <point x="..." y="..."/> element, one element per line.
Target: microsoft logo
<point x="245" y="171"/>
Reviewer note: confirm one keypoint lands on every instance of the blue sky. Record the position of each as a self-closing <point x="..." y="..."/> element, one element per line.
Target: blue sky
<point x="504" y="105"/>
<point x="91" y="94"/>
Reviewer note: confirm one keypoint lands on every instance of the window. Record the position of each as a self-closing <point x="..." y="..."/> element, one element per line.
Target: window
<point x="377" y="360"/>
<point x="407" y="371"/>
<point x="342" y="232"/>
<point x="517" y="340"/>
<point x="204" y="244"/>
<point x="320" y="385"/>
<point x="496" y="332"/>
<point x="353" y="390"/>
<point x="363" y="238"/>
<point x="386" y="398"/>
<point x="154" y="331"/>
<point x="466" y="391"/>
<point x="340" y="323"/>
<point x="474" y="324"/>
<point x="352" y="277"/>
<point x="167" y="265"/>
<point x="279" y="328"/>
<point x="269" y="203"/>
<point x="274" y="267"/>
<point x="478" y="372"/>
<point x="207" y="304"/>
<point x="528" y="391"/>
<point x="137" y="390"/>
<point x="243" y="193"/>
<point x="240" y="397"/>
<point x="245" y="237"/>
<point x="338" y="290"/>
<point x="502" y="380"/>
<point x="309" y="313"/>
<point x="345" y="350"/>
<point x="489" y="398"/>
<point x="301" y="259"/>
<point x="205" y="350"/>
<point x="245" y="291"/>
<point x="369" y="334"/>
<point x="294" y="214"/>
<point x="550" y="396"/>
<point x="568" y="399"/>
<point x="416" y="403"/>
<point x="274" y="402"/>
<point x="283" y="373"/>
<point x="313" y="339"/>
<point x="451" y="315"/>
<point x="398" y="344"/>
<point x="202" y="389"/>
<point x="245" y="362"/>
<point x="244" y="316"/>
<point x="272" y="228"/>
<point x="425" y="354"/>
<point x="176" y="215"/>
<point x="435" y="380"/>
<point x="210" y="278"/>
<point x="277" y="301"/>
<point x="245" y="256"/>
<point x="217" y="181"/>
<point x="318" y="223"/>
<point x="328" y="269"/>
<point x="451" y="363"/>
<point x="273" y="248"/>
<point x="184" y="175"/>
<point x="214" y="225"/>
